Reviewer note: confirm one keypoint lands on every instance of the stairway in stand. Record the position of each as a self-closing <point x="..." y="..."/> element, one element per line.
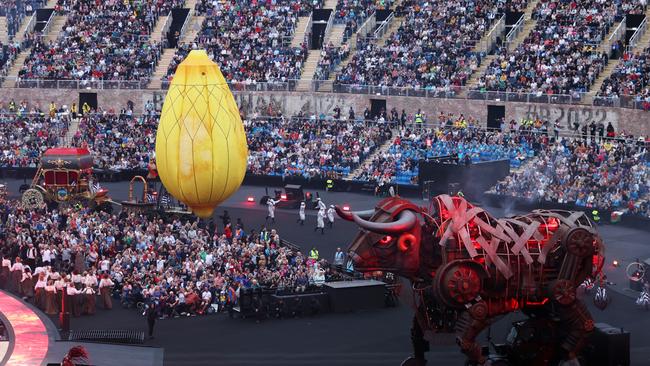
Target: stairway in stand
<point x="58" y="22"/>
<point x="352" y="43"/>
<point x="472" y="82"/>
<point x="12" y="74"/>
<point x="299" y="35"/>
<point x="156" y="34"/>
<point x="337" y="32"/>
<point x="378" y="152"/>
<point x="308" y="71"/>
<point x="595" y="88"/>
<point x="529" y="25"/>
<point x="193" y="29"/>
<point x="4" y="30"/>
<point x="161" y="68"/>
<point x="72" y="131"/>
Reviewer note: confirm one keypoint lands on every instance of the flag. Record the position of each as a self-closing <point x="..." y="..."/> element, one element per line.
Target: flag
<point x="164" y="200"/>
<point x="151" y="198"/>
<point x="95" y="187"/>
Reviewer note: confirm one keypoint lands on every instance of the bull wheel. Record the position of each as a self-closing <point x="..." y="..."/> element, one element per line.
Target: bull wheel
<point x="580" y="242"/>
<point x="458" y="283"/>
<point x="564" y="292"/>
<point x="32" y="198"/>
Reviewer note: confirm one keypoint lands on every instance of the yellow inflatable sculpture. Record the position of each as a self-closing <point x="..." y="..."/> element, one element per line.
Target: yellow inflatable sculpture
<point x="201" y="149"/>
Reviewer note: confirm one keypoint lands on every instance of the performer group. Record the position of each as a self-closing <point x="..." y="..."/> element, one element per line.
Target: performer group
<point x="45" y="288"/>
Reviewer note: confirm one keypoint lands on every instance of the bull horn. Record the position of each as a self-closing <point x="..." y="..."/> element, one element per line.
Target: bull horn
<point x="345" y="215"/>
<point x="405" y="221"/>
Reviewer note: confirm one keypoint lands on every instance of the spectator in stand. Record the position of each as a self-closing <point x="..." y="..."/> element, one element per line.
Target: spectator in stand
<point x="431" y="50"/>
<point x="310" y="148"/>
<point x="558" y="57"/>
<point x="353" y="13"/>
<point x="607" y="175"/>
<point x="186" y="283"/>
<point x="249" y="41"/>
<point x="630" y="80"/>
<point x="330" y="58"/>
<point x="106" y="40"/>
<point x="23" y="138"/>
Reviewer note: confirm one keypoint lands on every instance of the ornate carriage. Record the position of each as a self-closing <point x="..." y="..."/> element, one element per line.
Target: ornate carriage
<point x="65" y="177"/>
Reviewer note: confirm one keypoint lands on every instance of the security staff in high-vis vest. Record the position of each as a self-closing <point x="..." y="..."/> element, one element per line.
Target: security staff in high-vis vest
<point x="596" y="216"/>
<point x="419" y="120"/>
<point x="329" y="185"/>
<point x="313" y="253"/>
<point x="85" y="108"/>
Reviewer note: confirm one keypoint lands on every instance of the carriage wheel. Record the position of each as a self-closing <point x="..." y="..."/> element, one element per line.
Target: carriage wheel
<point x="32" y="198"/>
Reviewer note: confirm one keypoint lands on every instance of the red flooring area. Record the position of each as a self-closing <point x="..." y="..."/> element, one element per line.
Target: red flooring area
<point x="30" y="343"/>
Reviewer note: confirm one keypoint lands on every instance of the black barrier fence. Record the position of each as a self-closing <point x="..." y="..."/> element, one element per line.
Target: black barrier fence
<point x="628" y="220"/>
<point x="473" y="179"/>
<point x="271" y="303"/>
<point x="340" y="185"/>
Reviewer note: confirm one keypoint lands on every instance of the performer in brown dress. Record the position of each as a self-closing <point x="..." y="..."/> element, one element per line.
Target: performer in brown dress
<point x="16" y="276"/>
<point x="51" y="305"/>
<point x="39" y="291"/>
<point x="105" y="289"/>
<point x="89" y="301"/>
<point x="5" y="273"/>
<point x="26" y="284"/>
<point x="74" y="300"/>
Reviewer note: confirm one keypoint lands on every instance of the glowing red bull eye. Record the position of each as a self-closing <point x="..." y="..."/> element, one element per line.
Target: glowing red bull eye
<point x="386" y="239"/>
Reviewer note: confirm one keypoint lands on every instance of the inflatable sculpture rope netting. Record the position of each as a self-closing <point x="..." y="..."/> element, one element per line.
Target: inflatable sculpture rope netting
<point x="525" y="235"/>
<point x="201" y="149"/>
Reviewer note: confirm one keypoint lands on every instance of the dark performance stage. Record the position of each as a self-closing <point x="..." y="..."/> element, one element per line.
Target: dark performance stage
<point x="371" y="337"/>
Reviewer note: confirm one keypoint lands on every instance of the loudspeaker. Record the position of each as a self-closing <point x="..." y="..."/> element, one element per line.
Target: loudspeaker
<point x="608" y="346"/>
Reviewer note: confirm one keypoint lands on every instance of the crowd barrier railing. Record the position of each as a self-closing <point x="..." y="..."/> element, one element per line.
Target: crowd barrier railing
<point x="328" y="86"/>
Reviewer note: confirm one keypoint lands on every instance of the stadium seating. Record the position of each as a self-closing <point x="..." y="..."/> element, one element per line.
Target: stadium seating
<point x="432" y="49"/>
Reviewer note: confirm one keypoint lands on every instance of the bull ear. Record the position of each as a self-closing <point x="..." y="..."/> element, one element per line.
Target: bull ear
<point x="346" y="215"/>
<point x="405" y="222"/>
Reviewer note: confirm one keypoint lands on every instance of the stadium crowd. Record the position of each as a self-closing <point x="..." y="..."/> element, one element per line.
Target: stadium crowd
<point x="23" y="138"/>
<point x="330" y="57"/>
<point x="119" y="141"/>
<point x="559" y="55"/>
<point x="100" y="41"/>
<point x="181" y="266"/>
<point x="353" y="13"/>
<point x="457" y="137"/>
<point x="312" y="147"/>
<point x="630" y="78"/>
<point x="611" y="175"/>
<point x="432" y="49"/>
<point x="249" y="42"/>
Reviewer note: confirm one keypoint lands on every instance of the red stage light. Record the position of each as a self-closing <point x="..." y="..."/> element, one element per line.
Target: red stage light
<point x="250" y="199"/>
<point x="346" y="208"/>
<point x="283" y="196"/>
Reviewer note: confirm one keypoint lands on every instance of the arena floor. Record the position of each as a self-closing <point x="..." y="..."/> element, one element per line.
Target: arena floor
<point x="378" y="337"/>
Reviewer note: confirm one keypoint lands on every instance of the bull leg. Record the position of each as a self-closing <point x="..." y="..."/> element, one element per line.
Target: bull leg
<point x="470" y="324"/>
<point x="420" y="346"/>
<point x="578" y="324"/>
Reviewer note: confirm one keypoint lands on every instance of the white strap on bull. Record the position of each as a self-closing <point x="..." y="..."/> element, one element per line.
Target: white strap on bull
<point x="460" y="217"/>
